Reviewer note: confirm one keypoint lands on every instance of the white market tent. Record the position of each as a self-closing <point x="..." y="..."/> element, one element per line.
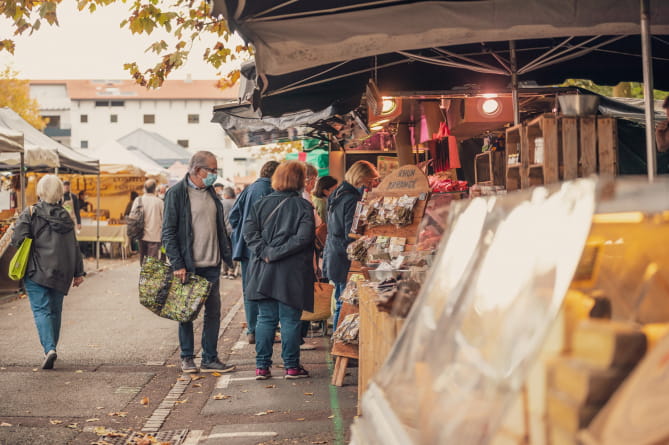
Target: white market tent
<point x="40" y="150"/>
<point x="115" y="159"/>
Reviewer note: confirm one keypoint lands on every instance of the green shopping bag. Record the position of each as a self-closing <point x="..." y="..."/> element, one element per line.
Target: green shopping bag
<point x="19" y="262"/>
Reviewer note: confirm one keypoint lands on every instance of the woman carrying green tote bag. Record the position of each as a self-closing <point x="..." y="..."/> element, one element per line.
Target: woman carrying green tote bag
<point x="19" y="262"/>
<point x="54" y="261"/>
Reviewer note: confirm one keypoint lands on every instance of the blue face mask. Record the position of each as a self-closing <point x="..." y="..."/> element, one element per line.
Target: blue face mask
<point x="210" y="179"/>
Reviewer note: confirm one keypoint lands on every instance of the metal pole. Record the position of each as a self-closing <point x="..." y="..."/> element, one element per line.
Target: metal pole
<point x="22" y="182"/>
<point x="649" y="100"/>
<point x="514" y="81"/>
<point x="97" y="221"/>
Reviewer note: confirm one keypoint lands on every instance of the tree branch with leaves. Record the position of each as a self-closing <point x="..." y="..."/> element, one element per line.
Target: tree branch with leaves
<point x="186" y="20"/>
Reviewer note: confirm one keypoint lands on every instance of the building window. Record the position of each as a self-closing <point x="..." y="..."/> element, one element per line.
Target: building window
<point x="193" y="118"/>
<point x="52" y="121"/>
<point x="113" y="118"/>
<point x="101" y="103"/>
<point x="117" y="103"/>
<point x="83" y="118"/>
<point x="149" y="118"/>
<point x="84" y="144"/>
<point x="109" y="103"/>
<point x="183" y="142"/>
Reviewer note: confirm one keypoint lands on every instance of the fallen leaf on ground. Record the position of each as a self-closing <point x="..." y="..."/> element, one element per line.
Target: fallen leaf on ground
<point x="216" y="374"/>
<point x="270" y="386"/>
<point x="73" y="426"/>
<point x="35" y="369"/>
<point x="55" y="422"/>
<point x="78" y="371"/>
<point x="301" y="419"/>
<point x="99" y="407"/>
<point x="308" y="393"/>
<point x="245" y="390"/>
<point x="182" y="379"/>
<point x="119" y="414"/>
<point x="181" y="401"/>
<point x="196" y="377"/>
<point x="144" y="401"/>
<point x="171" y="366"/>
<point x="94" y="419"/>
<point x="331" y="417"/>
<point x="220" y="396"/>
<point x="261" y="413"/>
<point x="5" y="424"/>
<point x="319" y="441"/>
<point x="197" y="385"/>
<point x="2" y="369"/>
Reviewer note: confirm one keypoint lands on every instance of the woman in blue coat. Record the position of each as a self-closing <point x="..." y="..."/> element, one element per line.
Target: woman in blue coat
<point x="341" y="209"/>
<point x="279" y="233"/>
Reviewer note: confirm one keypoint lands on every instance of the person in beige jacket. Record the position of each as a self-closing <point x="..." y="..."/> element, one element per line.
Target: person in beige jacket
<point x="149" y="245"/>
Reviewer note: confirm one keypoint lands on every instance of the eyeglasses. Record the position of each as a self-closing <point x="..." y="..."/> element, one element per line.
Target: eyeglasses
<point x="209" y="169"/>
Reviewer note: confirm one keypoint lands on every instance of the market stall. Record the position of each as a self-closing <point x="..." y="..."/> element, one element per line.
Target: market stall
<point x="536" y="310"/>
<point x="11" y="143"/>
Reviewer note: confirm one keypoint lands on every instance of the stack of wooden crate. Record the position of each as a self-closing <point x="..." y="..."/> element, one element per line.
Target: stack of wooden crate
<point x="601" y="356"/>
<point x="573" y="147"/>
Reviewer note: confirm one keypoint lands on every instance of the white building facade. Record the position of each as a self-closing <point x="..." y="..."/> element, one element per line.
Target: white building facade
<point x="85" y="114"/>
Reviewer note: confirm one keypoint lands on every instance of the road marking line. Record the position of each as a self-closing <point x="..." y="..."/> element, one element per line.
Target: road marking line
<point x="243" y="434"/>
<point x="223" y="381"/>
<point x="193" y="437"/>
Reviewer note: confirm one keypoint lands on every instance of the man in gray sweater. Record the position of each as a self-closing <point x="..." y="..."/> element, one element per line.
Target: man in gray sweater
<point x="196" y="241"/>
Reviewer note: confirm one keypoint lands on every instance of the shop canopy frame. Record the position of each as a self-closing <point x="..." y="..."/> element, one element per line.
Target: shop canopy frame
<point x="310" y="55"/>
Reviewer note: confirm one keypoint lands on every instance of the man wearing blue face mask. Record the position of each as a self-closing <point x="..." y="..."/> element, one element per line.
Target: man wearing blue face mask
<point x="196" y="241"/>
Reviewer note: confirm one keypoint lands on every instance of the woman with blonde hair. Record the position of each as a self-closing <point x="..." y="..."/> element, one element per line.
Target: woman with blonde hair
<point x="342" y="202"/>
<point x="54" y="264"/>
<point x="279" y="232"/>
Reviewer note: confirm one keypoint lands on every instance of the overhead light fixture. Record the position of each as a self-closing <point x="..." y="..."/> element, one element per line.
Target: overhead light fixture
<point x="491" y="107"/>
<point x="388" y="105"/>
<point x="490" y="95"/>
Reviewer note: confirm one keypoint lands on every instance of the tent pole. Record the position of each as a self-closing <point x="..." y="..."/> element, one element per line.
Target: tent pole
<point x="22" y="182"/>
<point x="649" y="99"/>
<point x="514" y="81"/>
<point x="97" y="222"/>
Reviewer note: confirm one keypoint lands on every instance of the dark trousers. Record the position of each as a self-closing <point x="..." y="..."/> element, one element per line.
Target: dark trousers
<point x="212" y="320"/>
<point x="148" y="248"/>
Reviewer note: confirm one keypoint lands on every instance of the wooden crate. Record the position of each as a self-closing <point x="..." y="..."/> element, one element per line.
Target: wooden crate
<point x="543" y="171"/>
<point x="489" y="168"/>
<point x="516" y="172"/>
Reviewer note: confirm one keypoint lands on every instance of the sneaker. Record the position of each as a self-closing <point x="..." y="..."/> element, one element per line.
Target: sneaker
<point x="49" y="359"/>
<point x="296" y="373"/>
<point x="263" y="373"/>
<point x="251" y="338"/>
<point x="307" y="347"/>
<point x="217" y="365"/>
<point x="188" y="365"/>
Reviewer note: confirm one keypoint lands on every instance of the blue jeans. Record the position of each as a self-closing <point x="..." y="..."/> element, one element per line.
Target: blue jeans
<point x="47" y="306"/>
<point x="271" y="312"/>
<point x="338" y="290"/>
<point x="250" y="307"/>
<point x="212" y="320"/>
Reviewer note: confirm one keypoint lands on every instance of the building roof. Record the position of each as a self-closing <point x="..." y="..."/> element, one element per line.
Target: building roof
<point x="79" y="89"/>
<point x="155" y="146"/>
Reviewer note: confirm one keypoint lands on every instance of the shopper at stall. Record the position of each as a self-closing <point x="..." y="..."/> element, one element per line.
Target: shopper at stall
<point x="55" y="261"/>
<point x="129" y="205"/>
<point x="84" y="204"/>
<point x="196" y="241"/>
<point x="153" y="207"/>
<point x="240" y="252"/>
<point x="324" y="187"/>
<point x="71" y="204"/>
<point x="341" y="209"/>
<point x="279" y="233"/>
<point x="662" y="130"/>
<point x="228" y="200"/>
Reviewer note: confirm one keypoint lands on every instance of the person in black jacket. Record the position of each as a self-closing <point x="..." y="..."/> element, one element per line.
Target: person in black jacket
<point x="71" y="204"/>
<point x="54" y="264"/>
<point x="196" y="241"/>
<point x="279" y="233"/>
<point x="341" y="209"/>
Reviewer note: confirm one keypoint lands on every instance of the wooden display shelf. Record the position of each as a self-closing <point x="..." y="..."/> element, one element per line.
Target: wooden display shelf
<point x="574" y="147"/>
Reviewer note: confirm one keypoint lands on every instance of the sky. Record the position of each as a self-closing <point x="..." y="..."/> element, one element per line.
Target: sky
<point x="91" y="46"/>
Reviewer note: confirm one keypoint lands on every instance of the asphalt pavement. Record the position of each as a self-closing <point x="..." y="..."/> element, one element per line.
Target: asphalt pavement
<point x="117" y="377"/>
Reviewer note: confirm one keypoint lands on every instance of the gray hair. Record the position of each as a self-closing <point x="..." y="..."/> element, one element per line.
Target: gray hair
<point x="228" y="192"/>
<point x="150" y="185"/>
<point x="199" y="160"/>
<point x="50" y="189"/>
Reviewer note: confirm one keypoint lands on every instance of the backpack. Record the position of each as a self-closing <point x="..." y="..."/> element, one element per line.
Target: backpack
<point x="135" y="221"/>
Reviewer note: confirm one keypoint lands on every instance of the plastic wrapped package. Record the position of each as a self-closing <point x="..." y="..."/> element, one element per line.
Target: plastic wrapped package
<point x="497" y="282"/>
